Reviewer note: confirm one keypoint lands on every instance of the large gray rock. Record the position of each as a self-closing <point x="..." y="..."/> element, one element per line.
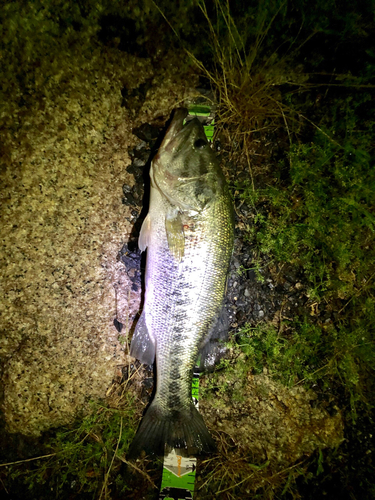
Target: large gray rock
<point x="64" y="157"/>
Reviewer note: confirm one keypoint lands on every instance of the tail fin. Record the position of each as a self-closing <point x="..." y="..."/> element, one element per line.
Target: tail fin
<point x="182" y="429"/>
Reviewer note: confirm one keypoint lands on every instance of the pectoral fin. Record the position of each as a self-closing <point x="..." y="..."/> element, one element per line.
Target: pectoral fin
<point x="145" y="234"/>
<point x="142" y="345"/>
<point x="175" y="234"/>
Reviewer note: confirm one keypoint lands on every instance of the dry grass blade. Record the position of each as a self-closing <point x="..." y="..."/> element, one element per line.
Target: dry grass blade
<point x="231" y="487"/>
<point x="28" y="460"/>
<point x="105" y="482"/>
<point x="249" y="94"/>
<point x="144" y="474"/>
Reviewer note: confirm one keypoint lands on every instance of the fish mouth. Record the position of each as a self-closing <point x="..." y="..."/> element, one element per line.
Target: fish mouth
<point x="176" y="125"/>
<point x="177" y="133"/>
<point x="167" y="145"/>
<point x="177" y="143"/>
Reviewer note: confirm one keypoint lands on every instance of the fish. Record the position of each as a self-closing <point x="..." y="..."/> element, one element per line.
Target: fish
<point x="188" y="233"/>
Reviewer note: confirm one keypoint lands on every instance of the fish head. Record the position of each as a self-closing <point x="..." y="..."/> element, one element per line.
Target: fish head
<point x="185" y="169"/>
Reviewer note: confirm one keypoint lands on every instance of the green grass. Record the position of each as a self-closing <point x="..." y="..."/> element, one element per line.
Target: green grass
<point x="320" y="221"/>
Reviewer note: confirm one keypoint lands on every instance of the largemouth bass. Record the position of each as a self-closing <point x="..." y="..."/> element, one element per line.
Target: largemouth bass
<point x="188" y="233"/>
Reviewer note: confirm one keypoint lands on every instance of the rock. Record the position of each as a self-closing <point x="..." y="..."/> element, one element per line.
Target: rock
<point x="273" y="422"/>
<point x="147" y="132"/>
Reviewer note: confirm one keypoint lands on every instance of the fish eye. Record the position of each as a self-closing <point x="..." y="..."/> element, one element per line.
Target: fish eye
<point x="200" y="144"/>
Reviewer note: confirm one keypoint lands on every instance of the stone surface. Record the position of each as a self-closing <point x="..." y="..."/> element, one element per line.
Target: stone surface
<point x="273" y="422"/>
<point x="64" y="159"/>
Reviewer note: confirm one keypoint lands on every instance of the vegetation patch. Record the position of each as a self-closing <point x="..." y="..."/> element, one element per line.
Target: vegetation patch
<point x="88" y="458"/>
<point x="311" y="203"/>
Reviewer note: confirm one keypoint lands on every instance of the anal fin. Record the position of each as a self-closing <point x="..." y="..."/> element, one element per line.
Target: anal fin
<point x="142" y="345"/>
<point x="213" y="347"/>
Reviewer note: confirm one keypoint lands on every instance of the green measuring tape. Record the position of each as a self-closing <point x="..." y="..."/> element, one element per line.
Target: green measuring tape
<point x="206" y="116"/>
<point x="179" y="472"/>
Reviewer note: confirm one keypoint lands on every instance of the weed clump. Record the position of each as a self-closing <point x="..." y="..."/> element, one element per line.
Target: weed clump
<point x="84" y="460"/>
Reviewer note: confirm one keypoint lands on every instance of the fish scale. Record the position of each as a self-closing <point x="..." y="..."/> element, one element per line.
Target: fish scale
<point x="188" y="233"/>
<point x="177" y="328"/>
